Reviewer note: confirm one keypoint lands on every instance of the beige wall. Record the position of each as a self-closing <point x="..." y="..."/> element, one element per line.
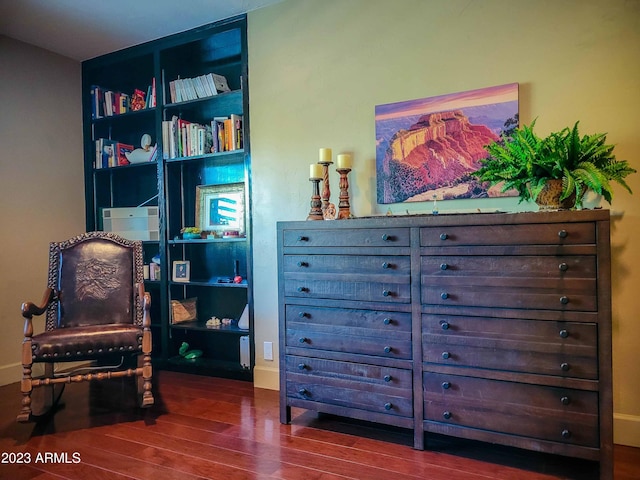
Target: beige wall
<point x="318" y="68"/>
<point x="41" y="179"/>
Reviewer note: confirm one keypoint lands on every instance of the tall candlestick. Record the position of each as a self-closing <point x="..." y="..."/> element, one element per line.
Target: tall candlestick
<point x="325" y="161"/>
<point x="344" y="209"/>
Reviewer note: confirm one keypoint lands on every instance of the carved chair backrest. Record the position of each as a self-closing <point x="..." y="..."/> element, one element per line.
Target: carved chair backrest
<point x="94" y="276"/>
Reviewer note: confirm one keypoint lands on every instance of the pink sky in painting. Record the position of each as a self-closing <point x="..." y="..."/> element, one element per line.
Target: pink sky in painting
<point x="453" y="101"/>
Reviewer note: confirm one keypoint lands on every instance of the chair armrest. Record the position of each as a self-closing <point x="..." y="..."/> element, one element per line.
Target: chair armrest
<point x="30" y="309"/>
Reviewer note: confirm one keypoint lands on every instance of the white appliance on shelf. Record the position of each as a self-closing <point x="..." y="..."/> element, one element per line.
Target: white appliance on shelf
<point x="132" y="223"/>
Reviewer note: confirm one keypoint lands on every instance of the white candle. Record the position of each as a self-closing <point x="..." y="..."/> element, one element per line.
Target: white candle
<point x="325" y="155"/>
<point x="344" y="161"/>
<point x="315" y="170"/>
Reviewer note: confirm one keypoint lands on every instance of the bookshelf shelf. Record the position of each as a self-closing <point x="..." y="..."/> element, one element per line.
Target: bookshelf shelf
<point x="170" y="181"/>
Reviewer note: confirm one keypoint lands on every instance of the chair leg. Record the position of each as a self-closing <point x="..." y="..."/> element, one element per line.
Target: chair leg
<point x="26" y="385"/>
<point x="144" y="381"/>
<point x="45" y="396"/>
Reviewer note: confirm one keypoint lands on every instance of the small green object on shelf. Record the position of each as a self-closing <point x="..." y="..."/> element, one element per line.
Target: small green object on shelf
<point x="188" y="354"/>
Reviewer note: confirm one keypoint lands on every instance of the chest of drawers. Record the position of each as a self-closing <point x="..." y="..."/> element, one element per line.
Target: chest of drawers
<point x="493" y="327"/>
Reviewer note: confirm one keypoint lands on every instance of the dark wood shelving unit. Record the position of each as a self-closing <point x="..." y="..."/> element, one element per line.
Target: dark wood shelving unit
<point x="170" y="182"/>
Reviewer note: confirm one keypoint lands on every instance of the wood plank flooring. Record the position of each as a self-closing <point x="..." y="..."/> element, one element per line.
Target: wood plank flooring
<point x="212" y="428"/>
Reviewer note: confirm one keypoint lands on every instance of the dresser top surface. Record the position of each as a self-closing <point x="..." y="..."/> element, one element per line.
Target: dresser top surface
<point x="427" y="220"/>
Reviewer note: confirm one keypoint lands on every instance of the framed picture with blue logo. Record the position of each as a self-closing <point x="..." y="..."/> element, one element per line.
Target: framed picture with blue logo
<point x="220" y="209"/>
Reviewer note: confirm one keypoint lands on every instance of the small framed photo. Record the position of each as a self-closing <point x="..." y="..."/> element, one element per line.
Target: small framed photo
<point x="181" y="270"/>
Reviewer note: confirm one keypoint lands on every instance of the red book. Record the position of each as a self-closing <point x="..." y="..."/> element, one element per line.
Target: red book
<point x="123" y="149"/>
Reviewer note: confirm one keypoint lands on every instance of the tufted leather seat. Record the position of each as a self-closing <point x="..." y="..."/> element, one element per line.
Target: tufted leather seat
<point x="86" y="342"/>
<point x="96" y="308"/>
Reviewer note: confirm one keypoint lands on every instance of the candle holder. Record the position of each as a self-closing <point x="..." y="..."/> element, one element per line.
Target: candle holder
<point x="326" y="189"/>
<point x="344" y="209"/>
<point x="316" y="204"/>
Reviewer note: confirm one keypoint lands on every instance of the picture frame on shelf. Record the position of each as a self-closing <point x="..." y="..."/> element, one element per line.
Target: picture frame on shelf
<point x="181" y="271"/>
<point x="220" y="209"/>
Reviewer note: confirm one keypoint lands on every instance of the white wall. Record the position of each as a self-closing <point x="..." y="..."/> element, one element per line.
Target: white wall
<point x="318" y="68"/>
<point x="41" y="179"/>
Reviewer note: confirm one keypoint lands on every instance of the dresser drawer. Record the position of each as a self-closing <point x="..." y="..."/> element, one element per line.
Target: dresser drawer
<point x="356" y="287"/>
<point x="546" y="282"/>
<point x="368" y="332"/>
<point x="339" y="237"/>
<point x="481" y="269"/>
<point x="529" y="346"/>
<point x="547" y="413"/>
<point x="353" y="385"/>
<point x="346" y="265"/>
<point x="524" y="234"/>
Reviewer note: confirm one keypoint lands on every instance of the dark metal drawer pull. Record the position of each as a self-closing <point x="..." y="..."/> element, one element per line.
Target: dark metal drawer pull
<point x="302" y="289"/>
<point x="566" y="434"/>
<point x="386" y="265"/>
<point x="387" y="349"/>
<point x="302" y="264"/>
<point x="443" y="236"/>
<point x="302" y="314"/>
<point x="564" y="300"/>
<point x="564" y="334"/>
<point x="301" y="366"/>
<point x="565" y="367"/>
<point x="387" y="378"/>
<point x="563" y="267"/>
<point x="443" y="266"/>
<point x="303" y="340"/>
<point x="446" y="385"/>
<point x="302" y="238"/>
<point x="562" y="234"/>
<point x="388" y="406"/>
<point x="565" y="400"/>
<point x="445" y="325"/>
<point x="386" y="293"/>
<point x="387" y="321"/>
<point x="446" y="355"/>
<point x="303" y="391"/>
<point x="446" y="415"/>
<point x="386" y="237"/>
<point x="444" y="295"/>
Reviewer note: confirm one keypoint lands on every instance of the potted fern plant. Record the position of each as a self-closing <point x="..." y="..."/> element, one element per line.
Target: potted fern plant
<point x="555" y="171"/>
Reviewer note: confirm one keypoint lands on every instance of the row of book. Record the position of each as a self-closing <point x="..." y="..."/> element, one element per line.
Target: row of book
<point x="185" y="89"/>
<point x="111" y="153"/>
<point x="107" y="103"/>
<point x="183" y="138"/>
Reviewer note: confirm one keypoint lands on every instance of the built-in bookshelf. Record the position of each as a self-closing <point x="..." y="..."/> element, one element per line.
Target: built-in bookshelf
<point x="166" y="126"/>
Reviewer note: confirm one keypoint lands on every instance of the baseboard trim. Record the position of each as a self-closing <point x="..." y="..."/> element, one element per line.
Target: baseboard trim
<point x="626" y="429"/>
<point x="11" y="373"/>
<point x="268" y="378"/>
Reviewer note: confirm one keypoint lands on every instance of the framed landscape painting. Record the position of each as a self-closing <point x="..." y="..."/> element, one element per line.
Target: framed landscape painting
<point x="428" y="148"/>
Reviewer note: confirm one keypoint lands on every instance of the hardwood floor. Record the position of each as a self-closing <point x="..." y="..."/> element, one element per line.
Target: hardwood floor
<point x="211" y="428"/>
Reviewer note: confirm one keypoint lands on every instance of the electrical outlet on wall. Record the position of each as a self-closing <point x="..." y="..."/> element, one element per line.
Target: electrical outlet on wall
<point x="268" y="350"/>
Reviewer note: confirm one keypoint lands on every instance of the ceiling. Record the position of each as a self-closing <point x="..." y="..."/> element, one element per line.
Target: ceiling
<point x="83" y="29"/>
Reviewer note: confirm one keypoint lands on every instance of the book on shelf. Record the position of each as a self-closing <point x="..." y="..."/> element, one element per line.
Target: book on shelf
<point x="184" y="138"/>
<point x="218" y="83"/>
<point x="123" y="150"/>
<point x="203" y="86"/>
<point x="107" y="103"/>
<point x="138" y="100"/>
<point x="106" y="153"/>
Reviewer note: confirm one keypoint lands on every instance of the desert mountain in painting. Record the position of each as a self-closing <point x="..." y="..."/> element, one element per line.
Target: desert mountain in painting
<point x="439" y="150"/>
